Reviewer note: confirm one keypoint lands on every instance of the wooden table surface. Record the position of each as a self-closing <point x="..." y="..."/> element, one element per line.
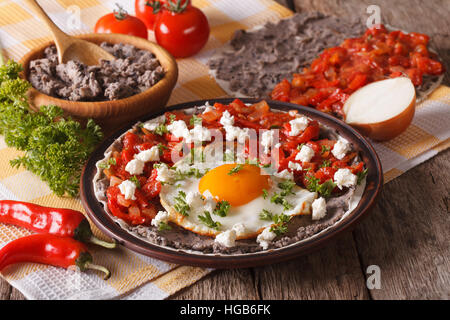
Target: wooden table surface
<point x="407" y="233"/>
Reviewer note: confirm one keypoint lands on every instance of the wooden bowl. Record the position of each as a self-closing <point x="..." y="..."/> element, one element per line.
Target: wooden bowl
<point x="105" y="222"/>
<point x="111" y="114"/>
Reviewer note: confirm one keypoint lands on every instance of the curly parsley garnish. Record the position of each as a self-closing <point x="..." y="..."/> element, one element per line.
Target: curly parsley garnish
<point x="323" y="189"/>
<point x="277" y="198"/>
<point x="181" y="205"/>
<point x="266" y="215"/>
<point x="280" y="221"/>
<point x="236" y="169"/>
<point x="325" y="149"/>
<point x="55" y="147"/>
<point x="164" y="226"/>
<point x="208" y="221"/>
<point x="222" y="208"/>
<point x="361" y="176"/>
<point x="280" y="225"/>
<point x="136" y="181"/>
<point x="195" y="120"/>
<point x="286" y="186"/>
<point x="107" y="164"/>
<point x="161" y="129"/>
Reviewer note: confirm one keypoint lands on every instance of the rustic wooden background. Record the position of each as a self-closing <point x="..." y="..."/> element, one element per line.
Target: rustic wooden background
<point x="406" y="235"/>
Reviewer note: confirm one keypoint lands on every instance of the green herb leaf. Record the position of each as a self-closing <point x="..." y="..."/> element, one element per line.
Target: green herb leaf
<point x="195" y="120"/>
<point x="277" y="198"/>
<point x="181" y="205"/>
<point x="163" y="226"/>
<point x="280" y="225"/>
<point x="172" y="118"/>
<point x="236" y="169"/>
<point x="108" y="164"/>
<point x="265" y="193"/>
<point x="208" y="221"/>
<point x="222" y="208"/>
<point x="286" y="186"/>
<point x="325" y="163"/>
<point x="323" y="189"/>
<point x="55" y="147"/>
<point x="361" y="175"/>
<point x="266" y="215"/>
<point x="325" y="149"/>
<point x="135" y="180"/>
<point x="161" y="129"/>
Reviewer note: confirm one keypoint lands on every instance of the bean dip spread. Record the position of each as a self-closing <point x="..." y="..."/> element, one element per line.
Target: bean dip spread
<point x="255" y="61"/>
<point x="134" y="71"/>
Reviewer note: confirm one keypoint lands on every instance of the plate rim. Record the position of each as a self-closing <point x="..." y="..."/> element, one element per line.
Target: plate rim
<point x="104" y="222"/>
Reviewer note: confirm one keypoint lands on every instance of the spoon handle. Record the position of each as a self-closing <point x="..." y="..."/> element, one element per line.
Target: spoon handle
<point x="61" y="39"/>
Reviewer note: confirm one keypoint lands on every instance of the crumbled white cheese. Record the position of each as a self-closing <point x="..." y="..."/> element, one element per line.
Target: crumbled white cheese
<point x="285" y="174"/>
<point x="164" y="173"/>
<point x="135" y="167"/>
<point x="340" y="148"/>
<point x="227" y="238"/>
<point x="154" y="123"/>
<point x="265" y="238"/>
<point x="239" y="228"/>
<point x="294" y="166"/>
<point x="305" y="155"/>
<point x="210" y="202"/>
<point x="161" y="217"/>
<point x="268" y="139"/>
<point x="198" y="133"/>
<point x="292" y="113"/>
<point x="194" y="200"/>
<point x="233" y="133"/>
<point x="319" y="208"/>
<point x="345" y="178"/>
<point x="298" y="125"/>
<point x="127" y="188"/>
<point x="208" y="107"/>
<point x="179" y="129"/>
<point x="151" y="154"/>
<point x="227" y="119"/>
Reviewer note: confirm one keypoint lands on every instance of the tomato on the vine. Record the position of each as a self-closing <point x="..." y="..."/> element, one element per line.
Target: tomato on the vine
<point x="181" y="29"/>
<point x="147" y="11"/>
<point x="121" y="22"/>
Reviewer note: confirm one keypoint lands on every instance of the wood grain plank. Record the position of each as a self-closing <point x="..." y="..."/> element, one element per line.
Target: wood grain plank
<point x="5" y="289"/>
<point x="333" y="272"/>
<point x="407" y="235"/>
<point x="234" y="284"/>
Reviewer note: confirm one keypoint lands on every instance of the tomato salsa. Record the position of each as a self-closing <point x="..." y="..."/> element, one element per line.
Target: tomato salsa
<point x="339" y="71"/>
<point x="314" y="174"/>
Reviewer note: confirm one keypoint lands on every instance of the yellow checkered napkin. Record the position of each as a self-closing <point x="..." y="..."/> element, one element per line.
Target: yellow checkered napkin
<point x="135" y="276"/>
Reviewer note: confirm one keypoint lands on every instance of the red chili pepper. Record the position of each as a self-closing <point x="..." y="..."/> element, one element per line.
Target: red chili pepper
<point x="59" y="222"/>
<point x="49" y="249"/>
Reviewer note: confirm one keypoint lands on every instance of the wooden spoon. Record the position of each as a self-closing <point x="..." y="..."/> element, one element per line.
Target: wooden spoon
<point x="70" y="48"/>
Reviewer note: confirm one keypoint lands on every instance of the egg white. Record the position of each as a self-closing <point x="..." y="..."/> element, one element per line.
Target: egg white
<point x="248" y="214"/>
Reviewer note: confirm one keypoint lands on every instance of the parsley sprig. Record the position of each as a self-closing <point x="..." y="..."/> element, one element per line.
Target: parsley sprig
<point x="236" y="169"/>
<point x="280" y="221"/>
<point x="222" y="208"/>
<point x="324" y="189"/>
<point x="107" y="164"/>
<point x="181" y="205"/>
<point x="208" y="221"/>
<point x="55" y="148"/>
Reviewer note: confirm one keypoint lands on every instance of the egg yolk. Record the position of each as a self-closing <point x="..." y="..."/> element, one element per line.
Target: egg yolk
<point x="237" y="184"/>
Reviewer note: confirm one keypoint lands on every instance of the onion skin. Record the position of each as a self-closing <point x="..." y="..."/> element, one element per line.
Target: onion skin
<point x="390" y="128"/>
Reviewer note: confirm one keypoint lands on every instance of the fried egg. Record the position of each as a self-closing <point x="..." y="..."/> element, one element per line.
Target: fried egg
<point x="247" y="188"/>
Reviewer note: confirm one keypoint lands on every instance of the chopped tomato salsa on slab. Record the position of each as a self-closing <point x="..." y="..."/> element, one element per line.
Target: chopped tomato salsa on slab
<point x="340" y="71"/>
